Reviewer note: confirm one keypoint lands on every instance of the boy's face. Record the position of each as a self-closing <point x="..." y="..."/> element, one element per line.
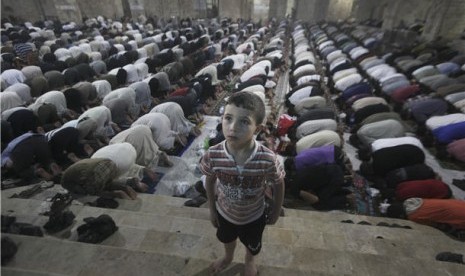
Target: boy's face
<point x="239" y="126"/>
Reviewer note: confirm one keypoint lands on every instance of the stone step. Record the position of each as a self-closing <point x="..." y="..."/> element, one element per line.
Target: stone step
<point x="317" y="235"/>
<point x="16" y="271"/>
<point x="295" y="219"/>
<point x="174" y="206"/>
<point x="75" y="258"/>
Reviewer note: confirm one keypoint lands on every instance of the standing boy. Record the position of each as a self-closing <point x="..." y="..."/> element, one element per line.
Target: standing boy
<point x="238" y="170"/>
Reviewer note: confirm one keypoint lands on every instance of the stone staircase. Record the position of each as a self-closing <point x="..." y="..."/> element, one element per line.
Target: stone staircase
<point x="157" y="235"/>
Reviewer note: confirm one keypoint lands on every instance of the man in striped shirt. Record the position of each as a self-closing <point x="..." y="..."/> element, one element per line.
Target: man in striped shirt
<point x="238" y="170"/>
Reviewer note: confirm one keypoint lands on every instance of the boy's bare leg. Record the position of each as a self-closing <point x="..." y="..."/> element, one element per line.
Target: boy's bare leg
<point x="222" y="263"/>
<point x="250" y="269"/>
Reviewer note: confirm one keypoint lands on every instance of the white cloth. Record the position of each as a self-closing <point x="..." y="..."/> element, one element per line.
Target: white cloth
<point x="300" y="94"/>
<point x="211" y="71"/>
<point x="160" y="127"/>
<point x="126" y="93"/>
<point x="392" y="142"/>
<point x="140" y="137"/>
<point x="347" y="81"/>
<point x="103" y="88"/>
<point x="124" y="156"/>
<point x="312" y="126"/>
<point x="309" y="103"/>
<point x="318" y="139"/>
<point x="439" y="121"/>
<point x="174" y="112"/>
<point x="366" y="101"/>
<point x="12" y="76"/>
<point x="252" y="72"/>
<point x="101" y="115"/>
<point x="56" y="98"/>
<point x="22" y="90"/>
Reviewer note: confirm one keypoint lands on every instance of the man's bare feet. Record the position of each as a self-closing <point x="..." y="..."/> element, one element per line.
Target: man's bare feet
<point x="55" y="168"/>
<point x="71" y="156"/>
<point x="220" y="264"/>
<point x="42" y="173"/>
<point x="196" y="131"/>
<point x="88" y="149"/>
<point x="165" y="160"/>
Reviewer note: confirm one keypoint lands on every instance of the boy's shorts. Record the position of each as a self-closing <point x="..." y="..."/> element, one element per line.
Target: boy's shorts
<point x="249" y="234"/>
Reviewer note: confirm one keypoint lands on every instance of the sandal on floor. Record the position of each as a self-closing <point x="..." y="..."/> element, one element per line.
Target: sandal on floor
<point x="195" y="202"/>
<point x="450" y="257"/>
<point x="96" y="230"/>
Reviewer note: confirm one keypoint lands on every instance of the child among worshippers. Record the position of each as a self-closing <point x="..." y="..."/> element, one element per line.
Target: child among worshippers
<point x="237" y="172"/>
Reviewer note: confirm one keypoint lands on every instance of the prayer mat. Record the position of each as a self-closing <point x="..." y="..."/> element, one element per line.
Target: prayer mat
<point x="363" y="200"/>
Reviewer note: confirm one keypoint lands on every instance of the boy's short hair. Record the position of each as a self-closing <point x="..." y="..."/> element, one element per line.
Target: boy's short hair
<point x="249" y="101"/>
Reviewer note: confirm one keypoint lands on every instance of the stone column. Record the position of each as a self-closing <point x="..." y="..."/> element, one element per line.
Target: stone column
<point x="68" y="10"/>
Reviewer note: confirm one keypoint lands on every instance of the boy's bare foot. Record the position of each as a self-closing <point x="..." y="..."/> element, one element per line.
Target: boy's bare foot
<point x="220" y="264"/>
<point x="250" y="269"/>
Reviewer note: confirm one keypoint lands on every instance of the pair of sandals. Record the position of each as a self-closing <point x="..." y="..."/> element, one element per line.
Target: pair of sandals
<point x="384" y="224"/>
<point x="96" y="230"/>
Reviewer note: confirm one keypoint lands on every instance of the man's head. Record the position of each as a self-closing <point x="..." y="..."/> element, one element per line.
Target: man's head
<point x="251" y="102"/>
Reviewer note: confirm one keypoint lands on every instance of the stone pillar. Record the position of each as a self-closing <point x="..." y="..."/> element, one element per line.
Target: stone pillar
<point x="278" y="9"/>
<point x="235" y="9"/>
<point x="339" y="10"/>
<point x="446" y="19"/>
<point x="68" y="10"/>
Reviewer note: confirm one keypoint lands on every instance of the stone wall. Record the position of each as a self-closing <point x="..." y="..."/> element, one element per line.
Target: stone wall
<point x="441" y="17"/>
<point x="235" y="9"/>
<point x="278" y="9"/>
<point x="107" y="8"/>
<point x="22" y="10"/>
<point x="339" y="10"/>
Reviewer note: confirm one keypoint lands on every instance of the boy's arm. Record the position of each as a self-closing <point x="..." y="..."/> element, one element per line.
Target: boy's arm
<point x="210" y="183"/>
<point x="278" y="198"/>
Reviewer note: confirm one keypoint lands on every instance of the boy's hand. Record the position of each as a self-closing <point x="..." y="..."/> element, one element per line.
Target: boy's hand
<point x="273" y="217"/>
<point x="214" y="218"/>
